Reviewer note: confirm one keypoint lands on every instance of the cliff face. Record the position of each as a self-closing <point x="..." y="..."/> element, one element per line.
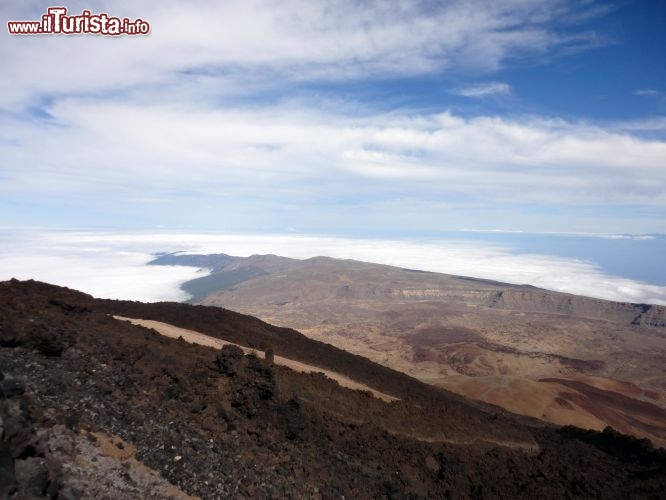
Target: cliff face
<point x="531" y="300"/>
<point x="653" y="316"/>
<point x="92" y="406"/>
<point x="542" y="301"/>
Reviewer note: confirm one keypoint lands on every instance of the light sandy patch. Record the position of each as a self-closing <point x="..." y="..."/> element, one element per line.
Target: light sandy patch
<point x="523" y="396"/>
<point x="195" y="337"/>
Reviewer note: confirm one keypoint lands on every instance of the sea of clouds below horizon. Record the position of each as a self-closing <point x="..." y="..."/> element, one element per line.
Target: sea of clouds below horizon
<point x="114" y="264"/>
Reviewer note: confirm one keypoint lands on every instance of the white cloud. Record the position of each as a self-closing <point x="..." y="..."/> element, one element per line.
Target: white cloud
<point x="112" y="269"/>
<point x="608" y="236"/>
<point x="241" y="43"/>
<point x="647" y="92"/>
<point x="136" y="122"/>
<point x="137" y="151"/>
<point x="480" y="90"/>
<point x="111" y="264"/>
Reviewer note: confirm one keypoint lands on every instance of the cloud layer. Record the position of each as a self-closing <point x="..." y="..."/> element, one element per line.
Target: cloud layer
<point x="112" y="264"/>
<point x="481" y="90"/>
<point x="139" y="151"/>
<point x="221" y="117"/>
<point x="255" y="41"/>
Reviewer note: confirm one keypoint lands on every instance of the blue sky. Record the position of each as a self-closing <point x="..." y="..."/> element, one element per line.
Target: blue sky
<point x="343" y="117"/>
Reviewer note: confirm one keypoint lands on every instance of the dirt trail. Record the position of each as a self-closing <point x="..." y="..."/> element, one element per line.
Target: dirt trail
<point x="195" y="337"/>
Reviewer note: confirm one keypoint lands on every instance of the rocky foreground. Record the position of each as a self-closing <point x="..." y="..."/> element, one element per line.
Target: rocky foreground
<point x="91" y="406"/>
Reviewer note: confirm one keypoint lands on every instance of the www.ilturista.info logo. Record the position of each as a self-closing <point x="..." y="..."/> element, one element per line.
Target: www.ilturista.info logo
<point x="57" y="22"/>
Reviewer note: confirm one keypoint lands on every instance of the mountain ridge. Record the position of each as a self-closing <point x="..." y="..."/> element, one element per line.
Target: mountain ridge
<point x="643" y="314"/>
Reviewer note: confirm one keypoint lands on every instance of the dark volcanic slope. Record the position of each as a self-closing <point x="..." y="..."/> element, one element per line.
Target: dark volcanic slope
<point x="252" y="332"/>
<point x="92" y="407"/>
